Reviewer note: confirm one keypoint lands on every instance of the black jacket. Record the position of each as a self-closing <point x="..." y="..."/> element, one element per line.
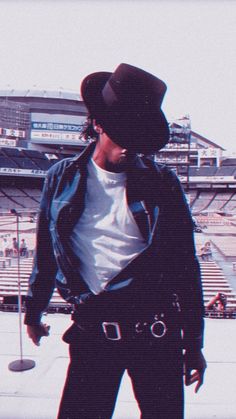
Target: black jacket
<point x="167" y="265"/>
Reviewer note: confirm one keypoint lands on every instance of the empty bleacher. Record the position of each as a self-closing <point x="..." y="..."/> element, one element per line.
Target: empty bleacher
<point x="24" y="159"/>
<point x="226" y="171"/>
<point x="213" y="201"/>
<point x="203" y="201"/>
<point x="33" y="193"/>
<point x="202" y="171"/>
<point x="6" y="162"/>
<point x="219" y="201"/>
<point x="18" y="157"/>
<point x="18" y="198"/>
<point x="214" y="281"/>
<point x="230" y="205"/>
<point x="192" y="197"/>
<point x="9" y="284"/>
<point x="39" y="159"/>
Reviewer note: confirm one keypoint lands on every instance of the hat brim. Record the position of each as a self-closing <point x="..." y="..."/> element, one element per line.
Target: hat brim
<point x="137" y="130"/>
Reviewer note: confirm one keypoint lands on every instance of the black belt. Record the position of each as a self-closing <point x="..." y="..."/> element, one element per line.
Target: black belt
<point x="113" y="330"/>
<point x="103" y="315"/>
<point x="117" y="330"/>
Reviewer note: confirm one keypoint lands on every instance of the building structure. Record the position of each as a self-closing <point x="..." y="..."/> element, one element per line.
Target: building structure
<point x="43" y="120"/>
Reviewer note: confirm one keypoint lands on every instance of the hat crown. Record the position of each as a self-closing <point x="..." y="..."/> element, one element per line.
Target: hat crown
<point x="131" y="86"/>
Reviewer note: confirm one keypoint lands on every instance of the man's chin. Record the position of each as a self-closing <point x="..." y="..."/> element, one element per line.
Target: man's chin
<point x="117" y="167"/>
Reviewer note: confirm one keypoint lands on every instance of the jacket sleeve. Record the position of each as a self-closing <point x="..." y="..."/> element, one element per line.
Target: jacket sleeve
<point x="42" y="279"/>
<point x="185" y="267"/>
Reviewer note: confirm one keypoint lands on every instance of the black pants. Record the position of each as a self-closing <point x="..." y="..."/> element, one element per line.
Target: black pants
<point x="97" y="366"/>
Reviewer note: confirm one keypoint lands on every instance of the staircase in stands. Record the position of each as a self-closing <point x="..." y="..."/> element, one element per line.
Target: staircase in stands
<point x="214" y="281"/>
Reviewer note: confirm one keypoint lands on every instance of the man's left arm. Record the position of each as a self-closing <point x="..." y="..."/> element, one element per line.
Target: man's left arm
<point x="189" y="287"/>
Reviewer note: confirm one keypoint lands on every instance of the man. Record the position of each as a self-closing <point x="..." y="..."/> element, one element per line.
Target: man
<point x="116" y="237"/>
<point x="23" y="248"/>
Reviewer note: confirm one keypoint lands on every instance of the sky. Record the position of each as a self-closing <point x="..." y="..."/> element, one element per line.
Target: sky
<point x="190" y="44"/>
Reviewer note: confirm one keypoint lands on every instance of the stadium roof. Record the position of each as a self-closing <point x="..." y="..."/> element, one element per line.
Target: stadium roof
<point x="206" y="141"/>
<point x="35" y="91"/>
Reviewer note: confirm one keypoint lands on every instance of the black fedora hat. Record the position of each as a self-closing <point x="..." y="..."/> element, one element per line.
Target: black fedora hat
<point x="127" y="104"/>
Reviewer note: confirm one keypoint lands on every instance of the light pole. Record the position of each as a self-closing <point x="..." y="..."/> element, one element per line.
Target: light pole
<point x="186" y="125"/>
<point x="20" y="364"/>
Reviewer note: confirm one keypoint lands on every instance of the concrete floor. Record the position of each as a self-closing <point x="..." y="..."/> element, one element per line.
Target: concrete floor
<point x="35" y="394"/>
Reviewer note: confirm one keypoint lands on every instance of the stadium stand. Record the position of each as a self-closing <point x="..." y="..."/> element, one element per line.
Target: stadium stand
<point x="212" y="276"/>
<point x="20" y="159"/>
<point x="17" y="198"/>
<point x="229" y="162"/>
<point x="230" y="206"/>
<point x="226" y="171"/>
<point x="6" y="162"/>
<point x="192" y="194"/>
<point x="39" y="159"/>
<point x="25" y="159"/>
<point x="214" y="281"/>
<point x="203" y="201"/>
<point x="225" y="246"/>
<point x="35" y="194"/>
<point x="202" y="171"/>
<point x="9" y="288"/>
<point x="219" y="201"/>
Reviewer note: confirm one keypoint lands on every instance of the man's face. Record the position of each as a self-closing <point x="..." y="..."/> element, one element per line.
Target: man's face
<point x="110" y="155"/>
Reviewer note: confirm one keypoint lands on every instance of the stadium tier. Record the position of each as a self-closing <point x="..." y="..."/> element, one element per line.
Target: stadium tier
<point x="213" y="280"/>
<point x="214" y="202"/>
<point x="24" y="159"/>
<point x="21" y="184"/>
<point x="9" y="287"/>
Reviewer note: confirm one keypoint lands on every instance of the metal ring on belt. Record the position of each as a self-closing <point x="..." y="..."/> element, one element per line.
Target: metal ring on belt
<point x="159" y="324"/>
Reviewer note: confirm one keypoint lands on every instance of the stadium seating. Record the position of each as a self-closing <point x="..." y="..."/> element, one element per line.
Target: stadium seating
<point x="203" y="201"/>
<point x="192" y="195"/>
<point x="230" y="206"/>
<point x="39" y="159"/>
<point x="13" y="197"/>
<point x="6" y="162"/>
<point x="25" y="194"/>
<point x="33" y="193"/>
<point x="226" y="171"/>
<point x="24" y="159"/>
<point x="9" y="285"/>
<point x="213" y="281"/>
<point x="219" y="201"/>
<point x="202" y="171"/>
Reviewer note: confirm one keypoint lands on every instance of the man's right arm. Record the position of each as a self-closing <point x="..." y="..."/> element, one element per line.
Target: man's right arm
<point x="42" y="279"/>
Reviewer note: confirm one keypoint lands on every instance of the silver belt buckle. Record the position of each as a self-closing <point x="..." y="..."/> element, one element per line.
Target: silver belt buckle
<point x="107" y="326"/>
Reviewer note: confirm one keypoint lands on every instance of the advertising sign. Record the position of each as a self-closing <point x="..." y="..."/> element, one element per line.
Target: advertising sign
<point x="7" y="142"/>
<point x="56" y="126"/>
<point x="55" y="135"/>
<point x="22" y="172"/>
<point x="10" y="132"/>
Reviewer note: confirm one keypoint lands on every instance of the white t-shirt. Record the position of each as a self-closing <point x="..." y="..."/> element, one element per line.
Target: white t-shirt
<point x="106" y="237"/>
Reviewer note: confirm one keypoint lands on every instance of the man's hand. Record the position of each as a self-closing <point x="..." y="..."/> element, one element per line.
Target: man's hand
<point x="194" y="368"/>
<point x="36" y="332"/>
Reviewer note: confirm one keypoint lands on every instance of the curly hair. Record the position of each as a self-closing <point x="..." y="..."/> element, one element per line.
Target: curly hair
<point x="88" y="132"/>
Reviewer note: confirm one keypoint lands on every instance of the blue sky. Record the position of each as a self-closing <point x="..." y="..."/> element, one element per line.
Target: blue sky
<point x="190" y="44"/>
